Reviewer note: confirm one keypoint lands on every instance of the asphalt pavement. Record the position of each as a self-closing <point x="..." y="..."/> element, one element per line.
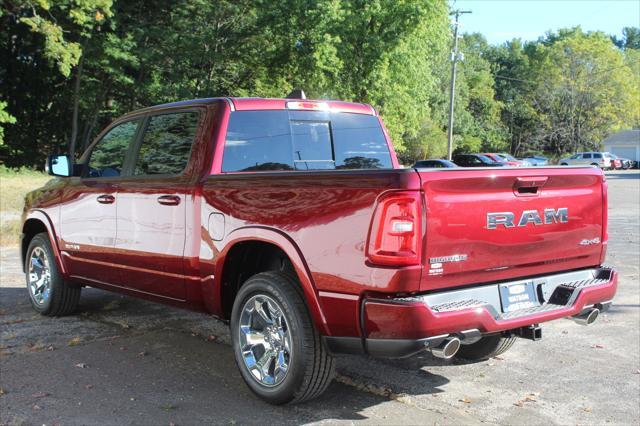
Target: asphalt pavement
<point x="126" y="361"/>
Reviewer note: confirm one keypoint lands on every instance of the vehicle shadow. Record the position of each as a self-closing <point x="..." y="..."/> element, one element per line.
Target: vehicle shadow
<point x="142" y="350"/>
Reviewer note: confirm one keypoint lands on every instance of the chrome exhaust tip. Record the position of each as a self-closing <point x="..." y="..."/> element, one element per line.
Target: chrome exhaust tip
<point x="447" y="349"/>
<point x="587" y="317"/>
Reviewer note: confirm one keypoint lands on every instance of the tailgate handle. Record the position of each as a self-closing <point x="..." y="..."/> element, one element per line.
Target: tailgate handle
<point x="524" y="186"/>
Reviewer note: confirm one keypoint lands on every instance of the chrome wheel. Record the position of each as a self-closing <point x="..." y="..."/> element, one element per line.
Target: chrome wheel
<point x="265" y="340"/>
<point x="39" y="276"/>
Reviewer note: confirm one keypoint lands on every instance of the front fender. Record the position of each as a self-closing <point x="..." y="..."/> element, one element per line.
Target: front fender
<point x="45" y="220"/>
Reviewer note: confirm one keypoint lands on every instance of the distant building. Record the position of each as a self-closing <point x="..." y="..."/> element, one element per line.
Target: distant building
<point x="624" y="144"/>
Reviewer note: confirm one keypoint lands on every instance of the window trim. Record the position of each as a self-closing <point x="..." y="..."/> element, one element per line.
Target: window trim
<point x="128" y="170"/>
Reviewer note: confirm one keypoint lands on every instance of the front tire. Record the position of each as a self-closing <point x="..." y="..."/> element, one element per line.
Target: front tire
<point x="276" y="346"/>
<point x="485" y="348"/>
<point x="49" y="293"/>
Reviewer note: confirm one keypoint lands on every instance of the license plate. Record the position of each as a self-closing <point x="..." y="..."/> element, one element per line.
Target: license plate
<point x="518" y="296"/>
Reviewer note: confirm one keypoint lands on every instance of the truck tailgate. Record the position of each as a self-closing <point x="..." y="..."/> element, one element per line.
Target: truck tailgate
<point x="487" y="225"/>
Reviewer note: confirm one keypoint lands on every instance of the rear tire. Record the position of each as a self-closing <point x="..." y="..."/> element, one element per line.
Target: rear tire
<point x="485" y="348"/>
<point x="276" y="346"/>
<point x="50" y="294"/>
<point x="564" y="164"/>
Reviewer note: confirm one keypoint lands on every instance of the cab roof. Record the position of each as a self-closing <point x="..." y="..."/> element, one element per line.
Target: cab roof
<point x="257" y="104"/>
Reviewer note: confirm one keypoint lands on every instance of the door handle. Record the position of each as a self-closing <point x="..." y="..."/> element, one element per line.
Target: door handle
<point x="106" y="199"/>
<point x="169" y="200"/>
<point x="529" y="185"/>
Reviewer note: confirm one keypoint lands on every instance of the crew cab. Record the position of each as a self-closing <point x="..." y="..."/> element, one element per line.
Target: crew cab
<point x="292" y="220"/>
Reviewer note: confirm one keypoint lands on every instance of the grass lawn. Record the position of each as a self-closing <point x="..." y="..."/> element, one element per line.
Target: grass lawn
<point x="14" y="184"/>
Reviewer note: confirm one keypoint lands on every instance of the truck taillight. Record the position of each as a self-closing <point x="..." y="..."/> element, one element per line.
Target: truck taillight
<point x="395" y="233"/>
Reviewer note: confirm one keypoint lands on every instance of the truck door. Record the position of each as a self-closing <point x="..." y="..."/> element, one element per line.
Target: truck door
<point x="88" y="207"/>
<point x="152" y="203"/>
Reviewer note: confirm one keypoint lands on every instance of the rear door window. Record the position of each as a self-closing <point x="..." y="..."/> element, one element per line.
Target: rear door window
<point x="303" y="140"/>
<point x="597" y="155"/>
<point x="166" y="144"/>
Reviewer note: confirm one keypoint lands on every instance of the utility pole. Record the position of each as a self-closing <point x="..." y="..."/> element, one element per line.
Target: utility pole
<point x="454" y="60"/>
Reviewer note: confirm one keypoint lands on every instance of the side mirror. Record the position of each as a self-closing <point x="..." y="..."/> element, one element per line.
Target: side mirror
<point x="58" y="165"/>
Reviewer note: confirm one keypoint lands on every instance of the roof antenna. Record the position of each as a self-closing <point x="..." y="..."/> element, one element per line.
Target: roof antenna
<point x="297" y="94"/>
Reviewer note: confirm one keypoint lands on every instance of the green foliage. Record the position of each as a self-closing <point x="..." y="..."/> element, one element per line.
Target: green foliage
<point x="69" y="67"/>
<point x="53" y="18"/>
<point x="566" y="92"/>
<point x="5" y="118"/>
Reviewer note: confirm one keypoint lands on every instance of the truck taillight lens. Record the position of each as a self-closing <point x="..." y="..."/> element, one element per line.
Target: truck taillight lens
<point x="395" y="235"/>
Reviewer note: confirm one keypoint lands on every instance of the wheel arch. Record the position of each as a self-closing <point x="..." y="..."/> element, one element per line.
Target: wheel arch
<point x="240" y="244"/>
<point x="36" y="223"/>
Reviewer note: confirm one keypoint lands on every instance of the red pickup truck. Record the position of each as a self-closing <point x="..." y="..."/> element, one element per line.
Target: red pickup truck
<point x="292" y="220"/>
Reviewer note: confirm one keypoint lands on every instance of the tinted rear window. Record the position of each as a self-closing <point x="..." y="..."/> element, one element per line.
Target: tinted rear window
<point x="303" y="140"/>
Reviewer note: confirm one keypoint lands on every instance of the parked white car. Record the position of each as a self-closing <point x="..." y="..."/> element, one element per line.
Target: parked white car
<point x="588" y="158"/>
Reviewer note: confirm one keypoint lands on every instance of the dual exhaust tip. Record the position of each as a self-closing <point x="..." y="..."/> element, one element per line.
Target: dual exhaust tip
<point x="587" y="317"/>
<point x="447" y="349"/>
<point x="450" y="346"/>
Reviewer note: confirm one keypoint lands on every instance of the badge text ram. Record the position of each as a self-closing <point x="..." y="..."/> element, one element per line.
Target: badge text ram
<point x="507" y="219"/>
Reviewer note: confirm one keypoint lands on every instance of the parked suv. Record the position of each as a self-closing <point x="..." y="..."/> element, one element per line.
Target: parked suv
<point x="292" y="220"/>
<point x="599" y="159"/>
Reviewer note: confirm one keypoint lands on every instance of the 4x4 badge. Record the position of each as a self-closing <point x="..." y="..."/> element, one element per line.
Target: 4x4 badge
<point x="586" y="242"/>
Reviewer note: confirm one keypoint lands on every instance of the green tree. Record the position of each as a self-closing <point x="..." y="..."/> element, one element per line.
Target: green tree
<point x="630" y="38"/>
<point x="584" y="92"/>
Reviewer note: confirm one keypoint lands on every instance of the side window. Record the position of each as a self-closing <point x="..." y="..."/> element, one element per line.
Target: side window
<point x="166" y="144"/>
<point x="107" y="157"/>
<point x="597" y="155"/>
<point x="586" y="155"/>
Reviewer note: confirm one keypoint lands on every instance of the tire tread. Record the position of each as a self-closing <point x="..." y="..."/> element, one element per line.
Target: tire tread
<point x="320" y="364"/>
<point x="64" y="295"/>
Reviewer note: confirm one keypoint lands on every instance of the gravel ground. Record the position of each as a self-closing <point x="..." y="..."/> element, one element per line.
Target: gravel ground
<point x="126" y="361"/>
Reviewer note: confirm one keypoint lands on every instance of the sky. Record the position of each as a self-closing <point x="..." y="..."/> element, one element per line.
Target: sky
<point x="503" y="20"/>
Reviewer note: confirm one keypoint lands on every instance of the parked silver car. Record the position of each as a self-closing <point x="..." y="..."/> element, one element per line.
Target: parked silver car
<point x="588" y="158"/>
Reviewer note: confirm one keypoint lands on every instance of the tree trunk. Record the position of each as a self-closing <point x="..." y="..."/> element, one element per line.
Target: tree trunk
<point x="76" y="107"/>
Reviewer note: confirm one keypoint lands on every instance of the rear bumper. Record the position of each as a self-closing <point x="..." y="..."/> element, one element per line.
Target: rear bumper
<point x="399" y="327"/>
